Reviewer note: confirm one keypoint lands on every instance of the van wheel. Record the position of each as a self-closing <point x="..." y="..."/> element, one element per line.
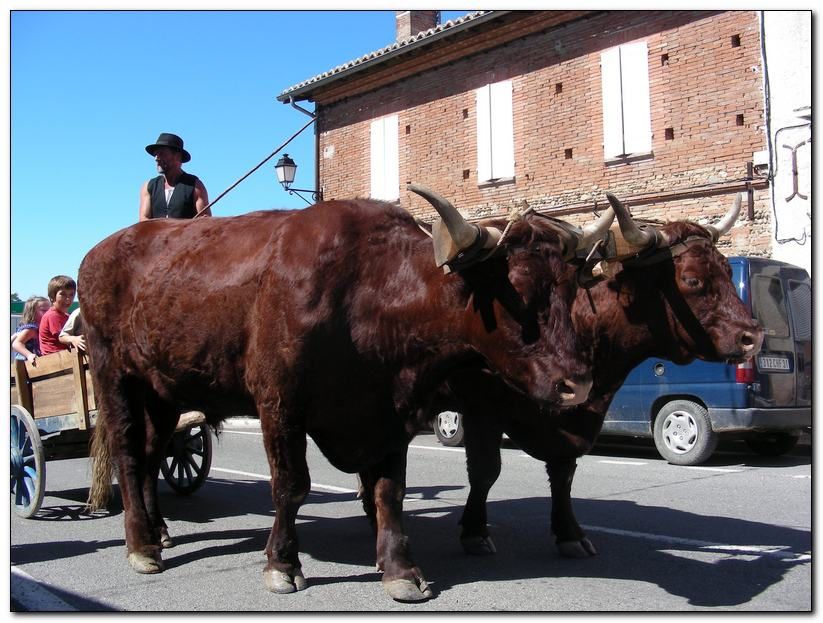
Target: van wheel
<point x="772" y="444"/>
<point x="448" y="426"/>
<point x="683" y="433"/>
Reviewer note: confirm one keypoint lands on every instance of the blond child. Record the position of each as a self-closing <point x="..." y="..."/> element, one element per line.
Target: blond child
<point x="26" y="342"/>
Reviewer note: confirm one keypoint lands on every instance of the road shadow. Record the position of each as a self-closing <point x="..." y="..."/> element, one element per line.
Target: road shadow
<point x="684" y="565"/>
<point x="26" y="596"/>
<point x="681" y="563"/>
<point x="75" y="510"/>
<point x="27" y="553"/>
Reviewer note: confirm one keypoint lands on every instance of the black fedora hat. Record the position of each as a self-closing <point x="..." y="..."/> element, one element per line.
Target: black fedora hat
<point x="169" y="140"/>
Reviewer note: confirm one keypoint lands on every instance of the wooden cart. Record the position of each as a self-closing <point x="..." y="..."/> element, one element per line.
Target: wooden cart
<point x="52" y="417"/>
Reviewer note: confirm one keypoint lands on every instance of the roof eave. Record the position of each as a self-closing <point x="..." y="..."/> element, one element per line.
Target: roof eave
<point x="301" y="93"/>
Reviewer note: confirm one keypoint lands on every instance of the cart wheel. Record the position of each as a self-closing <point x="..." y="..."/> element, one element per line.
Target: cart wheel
<point x="188" y="459"/>
<point x="28" y="464"/>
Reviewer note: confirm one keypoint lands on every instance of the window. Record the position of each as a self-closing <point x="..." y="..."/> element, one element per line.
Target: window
<point x="769" y="305"/>
<point x="495" y="132"/>
<point x="385" y="164"/>
<point x="627" y="124"/>
<point x="800" y="304"/>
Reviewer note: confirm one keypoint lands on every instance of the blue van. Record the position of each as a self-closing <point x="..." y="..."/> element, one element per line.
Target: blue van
<point x="686" y="409"/>
<point x="768" y="401"/>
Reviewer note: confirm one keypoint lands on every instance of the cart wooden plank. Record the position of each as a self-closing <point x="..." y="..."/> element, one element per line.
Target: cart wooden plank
<point x="56" y="385"/>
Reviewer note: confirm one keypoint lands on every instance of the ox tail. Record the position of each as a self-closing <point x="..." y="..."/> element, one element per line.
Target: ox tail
<point x="100" y="491"/>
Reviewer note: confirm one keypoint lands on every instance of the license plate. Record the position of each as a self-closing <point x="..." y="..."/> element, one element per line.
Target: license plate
<point x="773" y="363"/>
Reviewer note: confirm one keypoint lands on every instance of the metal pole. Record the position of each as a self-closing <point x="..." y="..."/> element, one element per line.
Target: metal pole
<point x="266" y="159"/>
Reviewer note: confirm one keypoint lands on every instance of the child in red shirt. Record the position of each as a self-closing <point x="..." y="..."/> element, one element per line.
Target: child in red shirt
<point x="61" y="292"/>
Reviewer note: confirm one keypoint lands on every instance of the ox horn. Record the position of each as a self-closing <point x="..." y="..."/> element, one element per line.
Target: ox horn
<point x="461" y="233"/>
<point x="631" y="231"/>
<point x="725" y="223"/>
<point x="595" y="231"/>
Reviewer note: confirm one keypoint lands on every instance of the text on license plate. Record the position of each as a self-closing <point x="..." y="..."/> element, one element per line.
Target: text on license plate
<point x="773" y="363"/>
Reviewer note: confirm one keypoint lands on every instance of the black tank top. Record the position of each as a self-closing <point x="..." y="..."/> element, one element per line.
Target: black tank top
<point x="182" y="201"/>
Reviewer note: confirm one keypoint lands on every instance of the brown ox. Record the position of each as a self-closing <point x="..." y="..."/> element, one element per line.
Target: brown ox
<point x="672" y="298"/>
<point x="332" y="321"/>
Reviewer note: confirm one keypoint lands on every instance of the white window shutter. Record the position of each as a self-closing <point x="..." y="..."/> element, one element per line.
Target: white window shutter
<point x="391" y="169"/>
<point x="612" y="104"/>
<point x="484" y="161"/>
<point x="385" y="159"/>
<point x="377" y="160"/>
<point x="502" y="130"/>
<point x="636" y="105"/>
<point x="626" y="101"/>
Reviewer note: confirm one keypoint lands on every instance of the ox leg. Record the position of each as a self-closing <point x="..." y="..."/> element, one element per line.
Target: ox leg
<point x="366" y="481"/>
<point x="161" y="420"/>
<point x="571" y="541"/>
<point x="482" y="443"/>
<point x="124" y="407"/>
<point x="402" y="580"/>
<point x="290" y="484"/>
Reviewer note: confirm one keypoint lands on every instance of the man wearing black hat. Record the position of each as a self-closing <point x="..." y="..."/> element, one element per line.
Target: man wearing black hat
<point x="174" y="193"/>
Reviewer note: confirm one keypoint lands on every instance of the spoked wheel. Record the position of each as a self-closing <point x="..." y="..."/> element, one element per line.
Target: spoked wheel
<point x="28" y="464"/>
<point x="188" y="459"/>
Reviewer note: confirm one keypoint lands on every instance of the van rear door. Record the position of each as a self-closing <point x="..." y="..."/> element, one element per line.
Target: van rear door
<point x="781" y="302"/>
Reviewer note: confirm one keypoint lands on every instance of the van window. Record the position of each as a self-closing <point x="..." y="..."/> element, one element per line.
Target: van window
<point x="769" y="305"/>
<point x="800" y="303"/>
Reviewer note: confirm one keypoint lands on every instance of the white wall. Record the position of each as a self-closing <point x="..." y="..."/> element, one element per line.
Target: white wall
<point x="788" y="60"/>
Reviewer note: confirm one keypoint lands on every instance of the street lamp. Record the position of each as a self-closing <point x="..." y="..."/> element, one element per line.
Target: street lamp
<point x="286" y="169"/>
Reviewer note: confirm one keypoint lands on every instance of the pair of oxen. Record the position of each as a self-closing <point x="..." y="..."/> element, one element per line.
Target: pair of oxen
<point x="334" y="322"/>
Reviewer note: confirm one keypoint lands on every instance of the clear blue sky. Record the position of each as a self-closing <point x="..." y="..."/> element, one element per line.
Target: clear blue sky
<point x="90" y="89"/>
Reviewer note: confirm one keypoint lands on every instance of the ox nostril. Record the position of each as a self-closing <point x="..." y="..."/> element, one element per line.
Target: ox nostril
<point x="563" y="389"/>
<point x="572" y="393"/>
<point x="747" y="341"/>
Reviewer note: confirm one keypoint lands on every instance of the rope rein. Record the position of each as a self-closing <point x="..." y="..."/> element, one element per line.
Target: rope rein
<point x="517" y="214"/>
<point x="260" y="164"/>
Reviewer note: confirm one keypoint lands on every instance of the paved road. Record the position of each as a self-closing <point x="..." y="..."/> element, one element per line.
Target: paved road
<point x="734" y="534"/>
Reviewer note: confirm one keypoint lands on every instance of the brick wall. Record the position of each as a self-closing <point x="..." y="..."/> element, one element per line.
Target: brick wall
<point x="705" y="82"/>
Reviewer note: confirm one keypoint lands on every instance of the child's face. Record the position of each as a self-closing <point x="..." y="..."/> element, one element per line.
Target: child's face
<point x="63" y="299"/>
<point x="42" y="308"/>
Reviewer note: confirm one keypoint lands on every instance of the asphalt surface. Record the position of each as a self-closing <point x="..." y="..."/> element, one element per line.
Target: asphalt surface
<point x="732" y="535"/>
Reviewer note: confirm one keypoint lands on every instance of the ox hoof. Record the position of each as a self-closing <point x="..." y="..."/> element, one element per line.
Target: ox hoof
<point x="165" y="540"/>
<point x="478" y="545"/>
<point x="408" y="590"/>
<point x="143" y="563"/>
<point x="577" y="549"/>
<point x="281" y="582"/>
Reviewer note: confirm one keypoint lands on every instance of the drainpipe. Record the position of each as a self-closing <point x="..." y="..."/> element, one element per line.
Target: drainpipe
<point x="296" y="106"/>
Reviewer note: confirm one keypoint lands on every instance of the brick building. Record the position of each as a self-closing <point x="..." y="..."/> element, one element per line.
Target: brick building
<point x="666" y="109"/>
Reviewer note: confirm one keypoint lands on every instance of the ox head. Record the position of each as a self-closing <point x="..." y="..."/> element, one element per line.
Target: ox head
<point x="521" y="289"/>
<point x="705" y="312"/>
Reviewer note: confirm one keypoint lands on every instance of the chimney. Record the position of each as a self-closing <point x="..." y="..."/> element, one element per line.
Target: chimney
<point x="410" y="23"/>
